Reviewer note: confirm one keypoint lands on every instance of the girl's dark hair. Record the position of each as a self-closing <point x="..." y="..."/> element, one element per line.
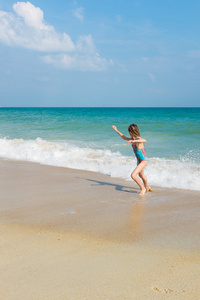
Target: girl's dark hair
<point x="134" y="130"/>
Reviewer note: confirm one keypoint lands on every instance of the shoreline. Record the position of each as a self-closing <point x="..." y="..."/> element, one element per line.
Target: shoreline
<point x="83" y="235"/>
<point x="76" y="200"/>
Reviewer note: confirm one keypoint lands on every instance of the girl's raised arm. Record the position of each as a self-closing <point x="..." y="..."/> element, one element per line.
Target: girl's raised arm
<point x="139" y="140"/>
<point x="121" y="134"/>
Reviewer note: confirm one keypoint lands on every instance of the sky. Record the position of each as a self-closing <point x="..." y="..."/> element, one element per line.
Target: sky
<point x="133" y="53"/>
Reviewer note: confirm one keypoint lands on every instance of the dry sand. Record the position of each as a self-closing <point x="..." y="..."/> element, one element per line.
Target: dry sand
<point x="70" y="234"/>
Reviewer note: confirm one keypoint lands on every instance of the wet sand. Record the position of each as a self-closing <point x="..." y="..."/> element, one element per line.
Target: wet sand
<point x="70" y="234"/>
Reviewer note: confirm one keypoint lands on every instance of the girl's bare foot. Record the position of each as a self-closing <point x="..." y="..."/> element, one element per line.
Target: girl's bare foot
<point x="148" y="189"/>
<point x="142" y="192"/>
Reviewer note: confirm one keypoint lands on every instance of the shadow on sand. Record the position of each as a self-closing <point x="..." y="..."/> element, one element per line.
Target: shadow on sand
<point x="116" y="186"/>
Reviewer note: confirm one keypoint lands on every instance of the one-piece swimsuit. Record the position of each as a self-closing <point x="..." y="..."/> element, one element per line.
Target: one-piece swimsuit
<point x="139" y="153"/>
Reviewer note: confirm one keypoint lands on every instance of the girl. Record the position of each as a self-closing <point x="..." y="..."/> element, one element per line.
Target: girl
<point x="138" y="147"/>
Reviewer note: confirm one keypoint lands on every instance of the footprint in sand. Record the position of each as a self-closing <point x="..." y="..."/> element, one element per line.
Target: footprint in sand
<point x="166" y="291"/>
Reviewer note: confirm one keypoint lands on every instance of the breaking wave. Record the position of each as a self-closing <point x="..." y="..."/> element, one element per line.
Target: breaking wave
<point x="184" y="174"/>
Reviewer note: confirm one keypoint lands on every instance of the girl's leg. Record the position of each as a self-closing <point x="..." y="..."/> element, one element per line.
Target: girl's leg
<point x="144" y="179"/>
<point x="134" y="176"/>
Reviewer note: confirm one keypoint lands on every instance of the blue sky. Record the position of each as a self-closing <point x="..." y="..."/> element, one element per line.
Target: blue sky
<point x="100" y="53"/>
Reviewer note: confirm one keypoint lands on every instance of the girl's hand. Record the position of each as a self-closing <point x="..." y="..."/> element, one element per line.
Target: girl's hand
<point x="131" y="142"/>
<point x="121" y="134"/>
<point x="114" y="127"/>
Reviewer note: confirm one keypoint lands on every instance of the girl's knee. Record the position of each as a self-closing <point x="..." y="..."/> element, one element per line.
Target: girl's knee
<point x="133" y="176"/>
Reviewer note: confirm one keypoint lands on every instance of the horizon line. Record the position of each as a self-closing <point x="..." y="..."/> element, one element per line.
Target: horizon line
<point x="99" y="106"/>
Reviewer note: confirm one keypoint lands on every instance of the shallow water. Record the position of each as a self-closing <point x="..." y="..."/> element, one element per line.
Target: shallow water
<point x="82" y="138"/>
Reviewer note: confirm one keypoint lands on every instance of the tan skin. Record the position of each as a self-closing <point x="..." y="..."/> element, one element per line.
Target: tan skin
<point x="139" y="170"/>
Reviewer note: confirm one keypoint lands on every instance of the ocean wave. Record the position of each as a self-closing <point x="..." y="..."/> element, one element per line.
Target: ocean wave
<point x="161" y="172"/>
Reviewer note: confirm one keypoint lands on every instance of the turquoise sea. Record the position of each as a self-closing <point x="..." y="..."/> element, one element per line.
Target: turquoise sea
<point x="82" y="138"/>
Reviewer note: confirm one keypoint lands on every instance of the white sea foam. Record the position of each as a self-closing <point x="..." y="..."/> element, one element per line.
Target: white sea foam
<point x="161" y="172"/>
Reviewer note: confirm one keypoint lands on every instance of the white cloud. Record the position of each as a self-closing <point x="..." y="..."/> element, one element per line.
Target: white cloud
<point x="77" y="62"/>
<point x="33" y="16"/>
<point x="27" y="28"/>
<point x="84" y="59"/>
<point x="79" y="13"/>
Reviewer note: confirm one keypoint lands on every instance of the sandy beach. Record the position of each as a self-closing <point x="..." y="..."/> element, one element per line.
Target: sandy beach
<point x="70" y="234"/>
